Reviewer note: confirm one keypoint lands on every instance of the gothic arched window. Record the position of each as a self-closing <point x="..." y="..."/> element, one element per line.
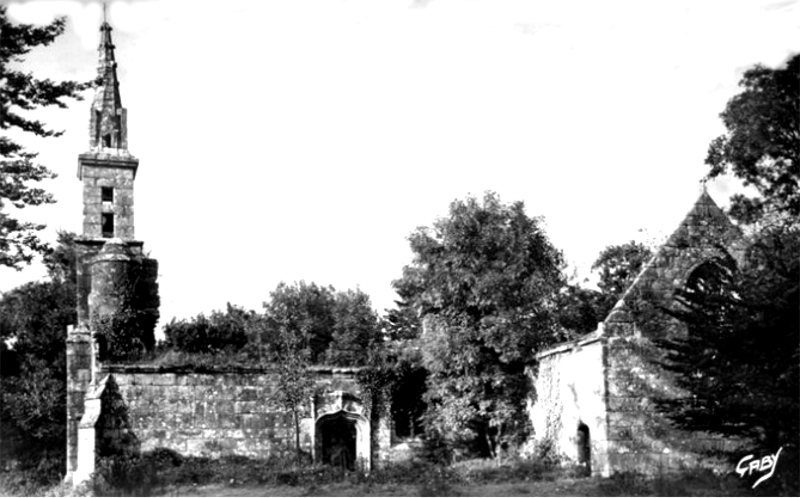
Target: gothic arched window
<point x="708" y="297"/>
<point x="710" y="280"/>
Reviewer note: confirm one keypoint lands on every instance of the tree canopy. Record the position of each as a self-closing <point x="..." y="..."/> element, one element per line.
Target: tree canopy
<point x="216" y="333"/>
<point x="335" y="327"/>
<point x="20" y="93"/>
<point x="485" y="279"/>
<point x="740" y="362"/>
<point x="762" y="144"/>
<point x="327" y="326"/>
<point x="33" y="329"/>
<point x="618" y="266"/>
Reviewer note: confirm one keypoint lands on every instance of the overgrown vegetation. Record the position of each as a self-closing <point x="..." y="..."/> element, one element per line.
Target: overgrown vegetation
<point x="762" y="144"/>
<point x="164" y="472"/>
<point x="330" y="327"/>
<point x="493" y="292"/>
<point x="217" y="333"/>
<point x="486" y="279"/>
<point x="33" y="317"/>
<point x="33" y="324"/>
<point x="740" y="363"/>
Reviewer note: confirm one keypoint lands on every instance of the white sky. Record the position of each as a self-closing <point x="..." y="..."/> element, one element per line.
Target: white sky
<point x="289" y="140"/>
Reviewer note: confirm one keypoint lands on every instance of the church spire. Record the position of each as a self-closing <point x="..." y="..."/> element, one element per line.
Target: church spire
<point x="107" y="169"/>
<point x="108" y="127"/>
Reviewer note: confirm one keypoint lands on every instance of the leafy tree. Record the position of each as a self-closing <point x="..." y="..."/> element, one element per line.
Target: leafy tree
<point x="740" y="362"/>
<point x="61" y="260"/>
<point x="333" y="326"/>
<point x="618" y="265"/>
<point x="219" y="332"/>
<point x="21" y="91"/>
<point x="486" y="280"/>
<point x="401" y="323"/>
<point x="355" y="331"/>
<point x="295" y="383"/>
<point x="306" y="310"/>
<point x="33" y="324"/>
<point x="762" y="144"/>
<point x="579" y="309"/>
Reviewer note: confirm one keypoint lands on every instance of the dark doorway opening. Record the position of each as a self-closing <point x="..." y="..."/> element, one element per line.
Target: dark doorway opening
<point x="584" y="448"/>
<point x="339" y="442"/>
<point x="408" y="404"/>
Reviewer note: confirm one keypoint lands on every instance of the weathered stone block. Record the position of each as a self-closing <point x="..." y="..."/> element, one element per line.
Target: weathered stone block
<point x="245" y="406"/>
<point x="252" y="423"/>
<point x="248" y="394"/>
<point x="164" y="379"/>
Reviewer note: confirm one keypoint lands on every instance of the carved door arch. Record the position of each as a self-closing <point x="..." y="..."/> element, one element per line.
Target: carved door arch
<point x="342" y="439"/>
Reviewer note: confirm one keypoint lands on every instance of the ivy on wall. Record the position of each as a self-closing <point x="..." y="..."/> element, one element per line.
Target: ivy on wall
<point x="128" y="332"/>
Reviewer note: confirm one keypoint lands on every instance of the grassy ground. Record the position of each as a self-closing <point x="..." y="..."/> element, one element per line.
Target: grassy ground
<point x="164" y="473"/>
<point x="558" y="487"/>
<point x="568" y="487"/>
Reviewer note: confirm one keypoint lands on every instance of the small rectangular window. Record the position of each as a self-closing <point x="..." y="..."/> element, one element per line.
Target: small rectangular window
<point x="108" y="225"/>
<point x="107" y="194"/>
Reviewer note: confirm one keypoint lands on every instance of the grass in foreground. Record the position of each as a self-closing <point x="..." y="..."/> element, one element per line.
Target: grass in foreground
<point x="165" y="473"/>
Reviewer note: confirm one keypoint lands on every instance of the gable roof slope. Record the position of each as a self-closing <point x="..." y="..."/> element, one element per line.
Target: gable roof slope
<point x="705" y="233"/>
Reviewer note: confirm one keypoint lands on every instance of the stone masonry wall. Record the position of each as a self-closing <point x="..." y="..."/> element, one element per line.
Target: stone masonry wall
<point x="79" y="373"/>
<point x="214" y="413"/>
<point x="569" y="391"/>
<point x="121" y="179"/>
<point x="640" y="437"/>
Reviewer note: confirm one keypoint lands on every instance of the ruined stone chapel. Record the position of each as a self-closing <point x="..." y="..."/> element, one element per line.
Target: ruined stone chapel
<point x="118" y="408"/>
<point x="592" y="398"/>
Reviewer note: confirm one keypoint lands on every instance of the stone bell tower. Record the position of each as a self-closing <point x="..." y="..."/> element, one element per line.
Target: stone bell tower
<point x="107" y="169"/>
<point x="113" y="276"/>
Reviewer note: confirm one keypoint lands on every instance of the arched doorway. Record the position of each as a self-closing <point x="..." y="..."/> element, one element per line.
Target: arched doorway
<point x="584" y="444"/>
<point x="338" y="442"/>
<point x="342" y="440"/>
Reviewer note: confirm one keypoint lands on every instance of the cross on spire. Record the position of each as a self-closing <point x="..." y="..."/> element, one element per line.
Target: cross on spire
<point x="703" y="185"/>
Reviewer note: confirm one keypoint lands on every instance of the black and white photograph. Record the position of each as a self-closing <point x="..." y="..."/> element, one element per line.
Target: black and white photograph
<point x="400" y="248"/>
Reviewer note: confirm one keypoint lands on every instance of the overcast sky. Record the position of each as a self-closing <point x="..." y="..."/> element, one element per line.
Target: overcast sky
<point x="289" y="140"/>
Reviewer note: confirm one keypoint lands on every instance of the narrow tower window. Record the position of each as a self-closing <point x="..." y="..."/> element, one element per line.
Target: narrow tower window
<point x="97" y="119"/>
<point x="107" y="194"/>
<point x="108" y="225"/>
<point x="117" y="132"/>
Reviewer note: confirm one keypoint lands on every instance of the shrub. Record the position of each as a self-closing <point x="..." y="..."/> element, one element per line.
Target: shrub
<point x="127" y="475"/>
<point x="437" y="481"/>
<point x="221" y="331"/>
<point x="31" y="476"/>
<point x="547" y="454"/>
<point x="625" y="484"/>
<point x="120" y="337"/>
